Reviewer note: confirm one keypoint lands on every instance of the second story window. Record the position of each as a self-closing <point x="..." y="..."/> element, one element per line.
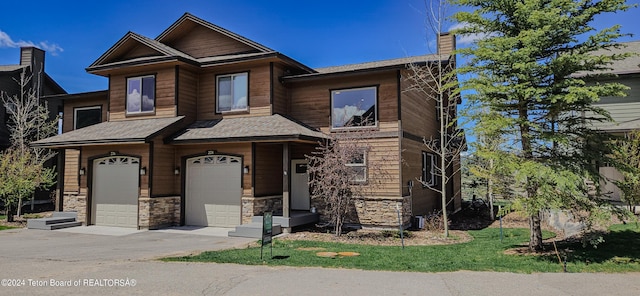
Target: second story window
<point x="232" y="92"/>
<point x="356" y="107"/>
<point x="86" y="116"/>
<point x="141" y="94"/>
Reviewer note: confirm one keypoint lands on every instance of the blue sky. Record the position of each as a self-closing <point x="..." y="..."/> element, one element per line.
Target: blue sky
<point x="316" y="33"/>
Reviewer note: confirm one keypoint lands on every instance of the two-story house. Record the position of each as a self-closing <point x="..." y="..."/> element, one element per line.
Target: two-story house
<point x="32" y="65"/>
<point x="623" y="110"/>
<point x="201" y="126"/>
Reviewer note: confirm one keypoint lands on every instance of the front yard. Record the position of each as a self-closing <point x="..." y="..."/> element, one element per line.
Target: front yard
<point x="620" y="252"/>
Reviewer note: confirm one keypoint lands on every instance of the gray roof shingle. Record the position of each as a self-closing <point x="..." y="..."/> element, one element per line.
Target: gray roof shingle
<point x="126" y="131"/>
<point x="629" y="65"/>
<point x="373" y="65"/>
<point x="247" y="129"/>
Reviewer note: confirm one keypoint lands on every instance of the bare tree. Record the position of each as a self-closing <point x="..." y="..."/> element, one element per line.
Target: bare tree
<point x="28" y="121"/>
<point x="438" y="82"/>
<point x="339" y="172"/>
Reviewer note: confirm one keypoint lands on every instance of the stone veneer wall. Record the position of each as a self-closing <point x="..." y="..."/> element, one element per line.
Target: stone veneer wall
<point x="255" y="206"/>
<point x="159" y="212"/>
<point x="74" y="202"/>
<point x="372" y="211"/>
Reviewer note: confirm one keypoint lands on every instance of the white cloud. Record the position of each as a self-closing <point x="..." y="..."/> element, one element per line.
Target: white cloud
<point x="6" y="41"/>
<point x="467" y="38"/>
<point x="342" y="115"/>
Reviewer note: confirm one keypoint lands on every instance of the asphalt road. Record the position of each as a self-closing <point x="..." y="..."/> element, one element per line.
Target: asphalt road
<point x="36" y="262"/>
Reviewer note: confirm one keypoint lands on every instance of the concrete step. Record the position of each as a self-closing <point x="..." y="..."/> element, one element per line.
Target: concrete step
<point x="57" y="221"/>
<point x="65" y="214"/>
<point x="64" y="225"/>
<point x="253" y="230"/>
<point x="43" y="223"/>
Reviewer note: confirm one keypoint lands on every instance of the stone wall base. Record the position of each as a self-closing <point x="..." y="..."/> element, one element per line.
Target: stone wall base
<point x="255" y="206"/>
<point x="159" y="212"/>
<point x="375" y="212"/>
<point x="75" y="202"/>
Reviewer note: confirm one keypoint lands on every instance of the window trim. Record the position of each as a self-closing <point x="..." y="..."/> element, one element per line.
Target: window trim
<point x="75" y="114"/>
<point x="126" y="95"/>
<point x="246" y="109"/>
<point x="364" y="165"/>
<point x="432" y="172"/>
<point x="331" y="104"/>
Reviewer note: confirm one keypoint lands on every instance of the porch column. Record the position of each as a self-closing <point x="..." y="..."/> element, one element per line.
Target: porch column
<point x="285" y="179"/>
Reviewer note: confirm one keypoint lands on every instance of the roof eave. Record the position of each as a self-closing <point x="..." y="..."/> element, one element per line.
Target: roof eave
<point x="161" y="59"/>
<point x="277" y="138"/>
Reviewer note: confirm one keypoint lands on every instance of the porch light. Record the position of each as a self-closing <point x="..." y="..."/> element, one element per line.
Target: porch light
<point x="143" y="171"/>
<point x="176" y="171"/>
<point x="82" y="172"/>
<point x="246" y="169"/>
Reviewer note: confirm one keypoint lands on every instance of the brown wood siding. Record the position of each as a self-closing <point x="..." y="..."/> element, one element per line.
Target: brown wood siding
<point x="424" y="199"/>
<point x="71" y="170"/>
<point x="418" y="113"/>
<point x="138" y="150"/>
<point x="384" y="156"/>
<point x="199" y="42"/>
<point x="311" y="100"/>
<point x="242" y="149"/>
<point x="89" y="101"/>
<point x="187" y="93"/>
<point x="164" y="179"/>
<point x="259" y="92"/>
<point x="165" y="95"/>
<point x="268" y="170"/>
<point x="280" y="92"/>
<point x="138" y="51"/>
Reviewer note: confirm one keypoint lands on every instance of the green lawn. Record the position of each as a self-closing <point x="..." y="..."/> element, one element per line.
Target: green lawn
<point x="619" y="253"/>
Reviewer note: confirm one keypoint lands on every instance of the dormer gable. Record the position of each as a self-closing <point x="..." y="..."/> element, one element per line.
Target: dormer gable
<point x="135" y="48"/>
<point x="199" y="38"/>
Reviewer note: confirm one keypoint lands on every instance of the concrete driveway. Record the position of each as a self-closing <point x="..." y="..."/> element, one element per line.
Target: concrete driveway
<point x="35" y="262"/>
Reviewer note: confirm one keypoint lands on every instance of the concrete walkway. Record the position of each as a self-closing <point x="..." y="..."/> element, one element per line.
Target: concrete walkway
<point x="124" y="265"/>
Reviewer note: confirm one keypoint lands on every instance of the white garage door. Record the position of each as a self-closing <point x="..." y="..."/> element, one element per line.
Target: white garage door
<point x="115" y="191"/>
<point x="213" y="191"/>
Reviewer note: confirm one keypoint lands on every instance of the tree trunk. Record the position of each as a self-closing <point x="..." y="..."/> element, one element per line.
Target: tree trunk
<point x="9" y="213"/>
<point x="535" y="233"/>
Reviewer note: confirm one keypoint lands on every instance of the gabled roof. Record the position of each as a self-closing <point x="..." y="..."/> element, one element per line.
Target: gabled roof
<point x="126" y="131"/>
<point x="240" y="129"/>
<point x="371" y="66"/>
<point x="164" y="52"/>
<point x="187" y="17"/>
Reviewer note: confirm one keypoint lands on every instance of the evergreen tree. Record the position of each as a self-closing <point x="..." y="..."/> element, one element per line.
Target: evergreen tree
<point x="530" y="66"/>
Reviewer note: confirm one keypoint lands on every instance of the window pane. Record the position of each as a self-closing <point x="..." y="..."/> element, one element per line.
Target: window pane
<point x="225" y="101"/>
<point x="353" y="107"/>
<point x="360" y="173"/>
<point x="148" y="94"/>
<point x="240" y="92"/>
<point x="133" y="95"/>
<point x="87" y="117"/>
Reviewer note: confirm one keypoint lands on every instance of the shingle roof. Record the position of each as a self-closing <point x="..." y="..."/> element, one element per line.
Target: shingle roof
<point x="127" y="131"/>
<point x="373" y="65"/>
<point x="11" y="68"/>
<point x="629" y="65"/>
<point x="247" y="129"/>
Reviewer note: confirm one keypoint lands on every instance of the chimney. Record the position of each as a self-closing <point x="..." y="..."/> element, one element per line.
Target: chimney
<point x="446" y="43"/>
<point x="34" y="58"/>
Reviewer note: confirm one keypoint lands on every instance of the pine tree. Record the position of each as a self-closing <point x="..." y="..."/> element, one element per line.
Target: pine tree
<point x="528" y="67"/>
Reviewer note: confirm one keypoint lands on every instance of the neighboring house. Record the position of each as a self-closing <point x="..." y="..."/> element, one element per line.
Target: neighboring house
<point x="625" y="111"/>
<point x="201" y="126"/>
<point x="32" y="64"/>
